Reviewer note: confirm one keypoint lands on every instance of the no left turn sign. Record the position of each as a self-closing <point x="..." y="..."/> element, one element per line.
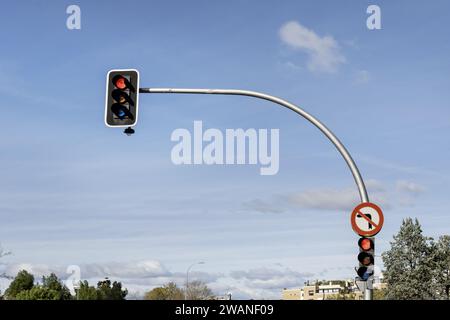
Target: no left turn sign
<point x="367" y="219"/>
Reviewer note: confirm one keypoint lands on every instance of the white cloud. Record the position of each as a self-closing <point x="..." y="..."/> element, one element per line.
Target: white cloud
<point x="266" y="283"/>
<point x="409" y="187"/>
<point x="402" y="193"/>
<point x="323" y="52"/>
<point x="139" y="269"/>
<point x="339" y="199"/>
<point x="322" y="199"/>
<point x="140" y="277"/>
<point x="325" y="199"/>
<point x="267" y="274"/>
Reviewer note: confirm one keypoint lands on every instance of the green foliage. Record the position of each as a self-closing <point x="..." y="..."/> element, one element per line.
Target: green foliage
<point x="342" y="283"/>
<point x="53" y="283"/>
<point x="443" y="267"/>
<point x="86" y="292"/>
<point x="169" y="291"/>
<point x="414" y="268"/>
<point x="379" y="294"/>
<point x="22" y="282"/>
<point x="23" y="288"/>
<point x="105" y="291"/>
<point x="342" y="296"/>
<point x="38" y="293"/>
<point x="108" y="291"/>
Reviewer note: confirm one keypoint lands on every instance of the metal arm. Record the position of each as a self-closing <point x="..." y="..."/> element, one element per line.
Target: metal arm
<point x="330" y="135"/>
<point x="187" y="278"/>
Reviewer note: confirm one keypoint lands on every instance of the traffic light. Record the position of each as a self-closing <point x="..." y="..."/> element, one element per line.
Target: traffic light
<point x="122" y="97"/>
<point x="366" y="257"/>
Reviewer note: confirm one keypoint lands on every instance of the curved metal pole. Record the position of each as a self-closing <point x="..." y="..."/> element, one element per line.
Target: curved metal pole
<point x="330" y="135"/>
<point x="187" y="277"/>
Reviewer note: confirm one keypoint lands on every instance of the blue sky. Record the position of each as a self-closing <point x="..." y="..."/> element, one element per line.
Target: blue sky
<point x="75" y="192"/>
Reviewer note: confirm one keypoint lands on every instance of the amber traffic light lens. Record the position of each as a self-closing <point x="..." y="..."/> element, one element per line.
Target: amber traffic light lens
<point x="365" y="259"/>
<point x="121" y="97"/>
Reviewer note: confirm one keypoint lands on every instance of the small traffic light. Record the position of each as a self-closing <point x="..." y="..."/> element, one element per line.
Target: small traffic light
<point x="122" y="97"/>
<point x="366" y="257"/>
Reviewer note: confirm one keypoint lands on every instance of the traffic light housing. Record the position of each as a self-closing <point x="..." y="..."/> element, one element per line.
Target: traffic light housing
<point x="366" y="257"/>
<point x="122" y="98"/>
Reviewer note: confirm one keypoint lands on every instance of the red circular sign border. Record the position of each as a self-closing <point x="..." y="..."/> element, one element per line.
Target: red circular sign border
<point x="353" y="220"/>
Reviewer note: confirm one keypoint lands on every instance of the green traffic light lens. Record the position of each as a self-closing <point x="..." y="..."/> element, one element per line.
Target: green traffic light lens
<point x="121" y="112"/>
<point x="362" y="273"/>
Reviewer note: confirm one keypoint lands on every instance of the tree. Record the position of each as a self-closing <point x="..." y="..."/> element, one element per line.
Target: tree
<point x="52" y="283"/>
<point x="410" y="264"/>
<point x="443" y="267"/>
<point x="105" y="291"/>
<point x="23" y="288"/>
<point x="169" y="291"/>
<point x="38" y="293"/>
<point x="86" y="292"/>
<point x="342" y="296"/>
<point x="198" y="290"/>
<point x="379" y="294"/>
<point x="108" y="291"/>
<point x="22" y="282"/>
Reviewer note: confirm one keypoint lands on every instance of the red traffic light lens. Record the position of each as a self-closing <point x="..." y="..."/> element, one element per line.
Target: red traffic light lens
<point x="120" y="82"/>
<point x="365" y="244"/>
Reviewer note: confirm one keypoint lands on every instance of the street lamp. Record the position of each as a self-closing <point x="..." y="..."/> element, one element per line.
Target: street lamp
<point x="187" y="277"/>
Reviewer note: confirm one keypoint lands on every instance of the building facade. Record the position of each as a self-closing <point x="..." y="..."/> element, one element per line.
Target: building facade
<point x="324" y="291"/>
